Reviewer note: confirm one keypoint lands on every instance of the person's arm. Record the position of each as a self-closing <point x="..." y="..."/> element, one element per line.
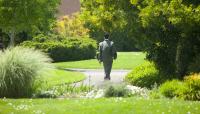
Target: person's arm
<point x="114" y="51"/>
<point x="100" y="52"/>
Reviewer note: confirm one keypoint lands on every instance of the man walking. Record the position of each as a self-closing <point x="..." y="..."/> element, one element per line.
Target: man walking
<point x="107" y="52"/>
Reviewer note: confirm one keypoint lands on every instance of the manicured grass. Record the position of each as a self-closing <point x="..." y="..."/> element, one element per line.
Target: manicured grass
<point x="126" y="60"/>
<point x="98" y="106"/>
<point x="58" y="77"/>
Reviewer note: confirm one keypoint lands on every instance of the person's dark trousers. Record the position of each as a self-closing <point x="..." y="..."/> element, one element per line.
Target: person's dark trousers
<point x="107" y="69"/>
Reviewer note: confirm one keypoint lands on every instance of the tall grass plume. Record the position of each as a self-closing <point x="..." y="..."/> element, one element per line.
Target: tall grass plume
<point x="19" y="69"/>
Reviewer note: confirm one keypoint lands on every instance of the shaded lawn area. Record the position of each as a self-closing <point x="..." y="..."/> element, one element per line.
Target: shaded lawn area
<point x="98" y="106"/>
<point x="57" y="77"/>
<point x="125" y="60"/>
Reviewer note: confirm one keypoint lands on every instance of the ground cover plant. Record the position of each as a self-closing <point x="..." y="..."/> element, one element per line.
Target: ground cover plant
<point x="125" y="60"/>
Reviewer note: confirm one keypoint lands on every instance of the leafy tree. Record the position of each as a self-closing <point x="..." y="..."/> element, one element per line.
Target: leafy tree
<point x="72" y="26"/>
<point x="26" y="15"/>
<point x="109" y="16"/>
<point x="172" y="30"/>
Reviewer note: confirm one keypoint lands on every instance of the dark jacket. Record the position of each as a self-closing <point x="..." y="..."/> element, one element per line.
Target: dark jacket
<point x="107" y="51"/>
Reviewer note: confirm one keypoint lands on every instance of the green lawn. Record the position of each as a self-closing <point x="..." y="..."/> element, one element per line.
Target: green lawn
<point x="57" y="77"/>
<point x="126" y="60"/>
<point x="98" y="106"/>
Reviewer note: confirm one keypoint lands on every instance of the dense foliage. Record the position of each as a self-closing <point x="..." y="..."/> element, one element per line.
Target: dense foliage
<point x="168" y="30"/>
<point x="67" y="49"/>
<point x="109" y="16"/>
<point x="172" y="30"/>
<point x="193" y="83"/>
<point x="71" y="26"/>
<point x="26" y="15"/>
<point x="188" y="89"/>
<point x="145" y="75"/>
<point x="174" y="88"/>
<point x="19" y="68"/>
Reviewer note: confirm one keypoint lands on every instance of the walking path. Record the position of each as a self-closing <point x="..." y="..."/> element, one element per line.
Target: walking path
<point x="95" y="77"/>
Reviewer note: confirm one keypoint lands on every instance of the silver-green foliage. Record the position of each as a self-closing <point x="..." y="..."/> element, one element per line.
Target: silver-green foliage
<point x="19" y="68"/>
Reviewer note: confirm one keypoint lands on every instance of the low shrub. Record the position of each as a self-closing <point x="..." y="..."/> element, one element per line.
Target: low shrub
<point x="66" y="50"/>
<point x="116" y="91"/>
<point x="145" y="75"/>
<point x="193" y="83"/>
<point x="19" y="68"/>
<point x="174" y="88"/>
<point x="155" y="93"/>
<point x="188" y="89"/>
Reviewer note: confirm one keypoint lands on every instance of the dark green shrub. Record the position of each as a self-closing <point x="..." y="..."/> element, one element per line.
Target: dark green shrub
<point x="116" y="91"/>
<point x="66" y="50"/>
<point x="174" y="88"/>
<point x="46" y="94"/>
<point x="195" y="65"/>
<point x="19" y="68"/>
<point x="145" y="75"/>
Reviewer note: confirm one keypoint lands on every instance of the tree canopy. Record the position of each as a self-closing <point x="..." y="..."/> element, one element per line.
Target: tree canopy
<point x="23" y="15"/>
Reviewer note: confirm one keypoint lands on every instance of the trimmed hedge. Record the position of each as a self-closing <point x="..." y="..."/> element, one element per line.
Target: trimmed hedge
<point x="146" y="75"/>
<point x="66" y="50"/>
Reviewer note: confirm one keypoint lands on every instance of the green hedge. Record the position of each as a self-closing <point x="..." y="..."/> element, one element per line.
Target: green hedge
<point x="66" y="50"/>
<point x="145" y="75"/>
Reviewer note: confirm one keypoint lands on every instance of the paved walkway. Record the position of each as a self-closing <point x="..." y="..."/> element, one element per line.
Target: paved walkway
<point x="96" y="77"/>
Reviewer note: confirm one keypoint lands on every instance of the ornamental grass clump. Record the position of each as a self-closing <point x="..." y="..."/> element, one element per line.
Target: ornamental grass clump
<point x="19" y="69"/>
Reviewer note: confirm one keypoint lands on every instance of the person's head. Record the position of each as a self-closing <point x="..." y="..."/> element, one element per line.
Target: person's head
<point x="106" y="35"/>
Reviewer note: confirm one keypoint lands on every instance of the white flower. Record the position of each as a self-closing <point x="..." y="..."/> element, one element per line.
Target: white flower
<point x="21" y="107"/>
<point x="90" y="94"/>
<point x="134" y="90"/>
<point x="10" y="104"/>
<point x="99" y="94"/>
<point x="38" y="112"/>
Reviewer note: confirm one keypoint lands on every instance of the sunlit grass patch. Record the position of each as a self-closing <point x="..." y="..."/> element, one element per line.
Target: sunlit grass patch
<point x="99" y="106"/>
<point x="58" y="77"/>
<point x="125" y="60"/>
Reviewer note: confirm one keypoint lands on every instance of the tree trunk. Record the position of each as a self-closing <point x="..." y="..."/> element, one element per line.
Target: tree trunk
<point x="178" y="59"/>
<point x="12" y="39"/>
<point x="182" y="56"/>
